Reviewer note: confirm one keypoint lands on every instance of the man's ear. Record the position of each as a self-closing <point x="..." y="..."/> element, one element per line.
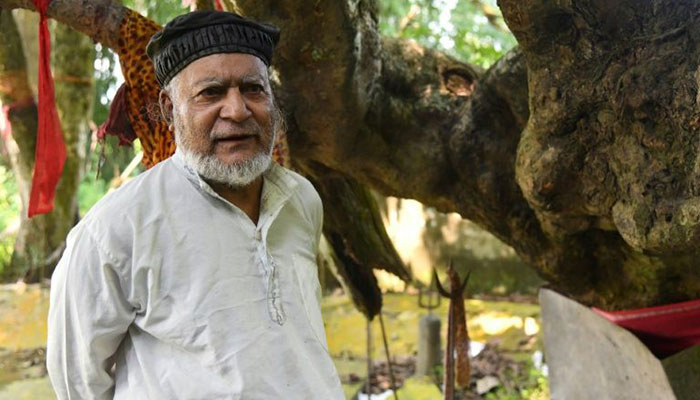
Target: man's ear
<point x="166" y="108"/>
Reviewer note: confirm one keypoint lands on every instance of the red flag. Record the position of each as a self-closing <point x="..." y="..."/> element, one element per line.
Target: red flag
<point x="50" y="152"/>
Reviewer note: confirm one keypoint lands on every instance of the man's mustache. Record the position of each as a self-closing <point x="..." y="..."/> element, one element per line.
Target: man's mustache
<point x="236" y="131"/>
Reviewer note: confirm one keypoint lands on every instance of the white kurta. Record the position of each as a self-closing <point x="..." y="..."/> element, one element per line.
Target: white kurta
<point x="168" y="291"/>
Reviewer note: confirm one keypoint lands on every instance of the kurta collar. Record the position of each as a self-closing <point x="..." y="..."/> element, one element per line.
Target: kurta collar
<point x="278" y="186"/>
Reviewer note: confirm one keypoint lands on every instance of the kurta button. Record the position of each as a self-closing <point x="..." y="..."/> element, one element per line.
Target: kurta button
<point x="258" y="235"/>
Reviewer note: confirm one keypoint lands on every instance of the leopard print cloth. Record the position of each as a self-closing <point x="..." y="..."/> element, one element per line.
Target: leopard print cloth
<point x="142" y="89"/>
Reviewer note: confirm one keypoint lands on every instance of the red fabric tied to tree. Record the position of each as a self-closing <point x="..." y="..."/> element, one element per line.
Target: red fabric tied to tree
<point x="665" y="330"/>
<point x="118" y="123"/>
<point x="50" y="152"/>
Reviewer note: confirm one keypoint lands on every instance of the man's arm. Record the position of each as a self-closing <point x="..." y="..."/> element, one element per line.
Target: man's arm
<point x="88" y="318"/>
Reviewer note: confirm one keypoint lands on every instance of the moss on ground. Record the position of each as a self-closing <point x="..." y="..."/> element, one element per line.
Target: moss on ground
<point x="346" y="328"/>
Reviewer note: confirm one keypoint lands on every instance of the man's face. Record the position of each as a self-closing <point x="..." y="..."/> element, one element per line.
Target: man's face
<point x="223" y="116"/>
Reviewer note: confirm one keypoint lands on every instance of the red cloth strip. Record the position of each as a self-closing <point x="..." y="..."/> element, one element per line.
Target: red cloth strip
<point x="217" y="4"/>
<point x="117" y="122"/>
<point x="665" y="330"/>
<point x="50" y="152"/>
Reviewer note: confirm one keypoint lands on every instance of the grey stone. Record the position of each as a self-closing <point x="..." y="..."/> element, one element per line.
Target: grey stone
<point x="683" y="371"/>
<point x="591" y="358"/>
<point x="428" y="345"/>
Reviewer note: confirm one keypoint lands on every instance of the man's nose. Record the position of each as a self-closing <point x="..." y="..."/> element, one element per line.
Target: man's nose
<point x="235" y="107"/>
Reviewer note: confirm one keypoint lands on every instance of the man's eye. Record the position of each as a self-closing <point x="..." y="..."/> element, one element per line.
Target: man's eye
<point x="210" y="92"/>
<point x="253" y="89"/>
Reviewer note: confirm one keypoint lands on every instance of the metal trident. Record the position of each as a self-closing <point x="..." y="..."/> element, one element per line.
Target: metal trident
<point x="432" y="299"/>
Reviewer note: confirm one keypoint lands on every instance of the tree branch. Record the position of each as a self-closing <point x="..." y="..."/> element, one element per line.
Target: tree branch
<point x="99" y="19"/>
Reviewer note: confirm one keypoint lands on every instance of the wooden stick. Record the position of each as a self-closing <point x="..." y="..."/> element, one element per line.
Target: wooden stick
<point x="388" y="358"/>
<point x="461" y="338"/>
<point x="450" y="356"/>
<point x="457" y="335"/>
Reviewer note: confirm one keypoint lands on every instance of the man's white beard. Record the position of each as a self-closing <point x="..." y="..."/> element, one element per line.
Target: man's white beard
<point x="210" y="168"/>
<point x="236" y="175"/>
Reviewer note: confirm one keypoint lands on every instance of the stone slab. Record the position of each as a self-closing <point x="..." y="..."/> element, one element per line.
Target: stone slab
<point x="591" y="358"/>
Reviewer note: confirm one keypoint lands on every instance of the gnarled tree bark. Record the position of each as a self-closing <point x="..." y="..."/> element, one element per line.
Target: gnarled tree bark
<point x="579" y="149"/>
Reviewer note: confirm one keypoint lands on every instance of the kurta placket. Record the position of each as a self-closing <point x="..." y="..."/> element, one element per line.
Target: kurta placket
<point x="272" y="200"/>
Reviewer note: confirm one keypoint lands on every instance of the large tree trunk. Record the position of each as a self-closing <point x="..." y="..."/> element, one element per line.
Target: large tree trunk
<point x="72" y="60"/>
<point x="40" y="240"/>
<point x="16" y="93"/>
<point x="579" y="149"/>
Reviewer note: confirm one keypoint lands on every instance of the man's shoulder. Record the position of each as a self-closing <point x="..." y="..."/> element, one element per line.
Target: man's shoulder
<point x="304" y="197"/>
<point x="133" y="196"/>
<point x="304" y="189"/>
<point x="114" y="220"/>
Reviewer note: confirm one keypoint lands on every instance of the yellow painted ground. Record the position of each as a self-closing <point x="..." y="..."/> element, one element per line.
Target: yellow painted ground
<point x="23" y="311"/>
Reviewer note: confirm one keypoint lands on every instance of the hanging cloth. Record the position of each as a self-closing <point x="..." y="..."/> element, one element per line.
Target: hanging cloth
<point x="665" y="330"/>
<point x="117" y="122"/>
<point x="50" y="154"/>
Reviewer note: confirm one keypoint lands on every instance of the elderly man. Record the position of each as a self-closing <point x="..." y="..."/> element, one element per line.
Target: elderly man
<point x="197" y="280"/>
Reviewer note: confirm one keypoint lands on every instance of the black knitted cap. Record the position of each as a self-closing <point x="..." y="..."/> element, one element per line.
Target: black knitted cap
<point x="202" y="33"/>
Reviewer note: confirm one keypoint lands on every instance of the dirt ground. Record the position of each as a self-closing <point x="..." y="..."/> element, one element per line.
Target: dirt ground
<point x="503" y="370"/>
